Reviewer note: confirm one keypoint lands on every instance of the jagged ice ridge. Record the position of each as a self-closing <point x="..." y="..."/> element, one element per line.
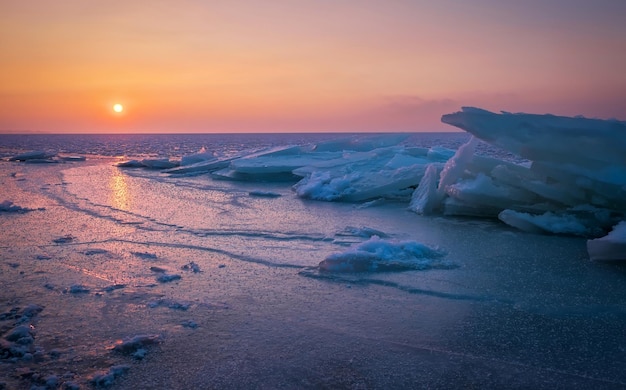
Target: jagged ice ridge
<point x="573" y="181"/>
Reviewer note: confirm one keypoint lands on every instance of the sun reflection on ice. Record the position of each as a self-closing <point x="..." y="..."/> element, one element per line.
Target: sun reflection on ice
<point x="120" y="195"/>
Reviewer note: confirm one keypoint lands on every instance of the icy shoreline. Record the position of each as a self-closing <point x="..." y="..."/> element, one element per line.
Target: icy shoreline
<point x="573" y="184"/>
<point x="141" y="279"/>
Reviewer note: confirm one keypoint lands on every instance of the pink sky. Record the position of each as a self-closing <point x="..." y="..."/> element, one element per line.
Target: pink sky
<point x="290" y="65"/>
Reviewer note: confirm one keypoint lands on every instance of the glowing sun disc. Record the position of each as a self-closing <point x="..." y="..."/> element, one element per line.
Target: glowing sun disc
<point x="118" y="107"/>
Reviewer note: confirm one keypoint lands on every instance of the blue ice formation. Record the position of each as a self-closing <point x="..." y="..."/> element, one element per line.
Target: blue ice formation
<point x="572" y="178"/>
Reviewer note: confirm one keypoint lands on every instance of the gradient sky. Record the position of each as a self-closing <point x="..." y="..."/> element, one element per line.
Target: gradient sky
<point x="292" y="65"/>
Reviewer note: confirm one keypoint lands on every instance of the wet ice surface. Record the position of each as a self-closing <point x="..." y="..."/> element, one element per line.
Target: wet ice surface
<point x="511" y="309"/>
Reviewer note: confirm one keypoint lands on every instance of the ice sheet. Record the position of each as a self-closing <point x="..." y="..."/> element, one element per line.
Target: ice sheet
<point x="113" y="257"/>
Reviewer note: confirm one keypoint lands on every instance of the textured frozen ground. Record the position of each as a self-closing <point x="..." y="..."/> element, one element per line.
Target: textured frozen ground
<point x="512" y="309"/>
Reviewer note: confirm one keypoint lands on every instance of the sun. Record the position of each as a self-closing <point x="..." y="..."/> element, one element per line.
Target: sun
<point x="118" y="107"/>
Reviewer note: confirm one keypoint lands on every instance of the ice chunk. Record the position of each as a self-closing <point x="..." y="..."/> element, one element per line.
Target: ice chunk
<point x="217" y="163"/>
<point x="77" y="289"/>
<point x="546" y="190"/>
<point x="562" y="140"/>
<point x="280" y="160"/>
<point x="158" y="163"/>
<point x="549" y="222"/>
<point x="425" y="198"/>
<point x="362" y="177"/>
<point x="133" y="344"/>
<point x="200" y="167"/>
<point x="455" y="167"/>
<point x="376" y="254"/>
<point x="575" y="162"/>
<point x="19" y="332"/>
<point x="106" y="379"/>
<point x="9" y="207"/>
<point x="150" y="163"/>
<point x="363" y="231"/>
<point x="610" y="247"/>
<point x="33" y="155"/>
<point x="130" y="164"/>
<point x="321" y="186"/>
<point x="195" y="158"/>
<point x="189" y="324"/>
<point x="166" y="278"/>
<point x="483" y="191"/>
<point x="438" y="153"/>
<point x="191" y="266"/>
<point x="64" y="239"/>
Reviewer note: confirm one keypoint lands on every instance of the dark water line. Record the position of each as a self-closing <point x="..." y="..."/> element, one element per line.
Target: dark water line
<point x="333" y="277"/>
<point x="206" y="249"/>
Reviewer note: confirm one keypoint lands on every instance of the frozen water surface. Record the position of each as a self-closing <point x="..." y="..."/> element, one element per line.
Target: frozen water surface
<point x="458" y="302"/>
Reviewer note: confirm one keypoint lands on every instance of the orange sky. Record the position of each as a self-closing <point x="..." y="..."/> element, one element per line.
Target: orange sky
<point x="296" y="65"/>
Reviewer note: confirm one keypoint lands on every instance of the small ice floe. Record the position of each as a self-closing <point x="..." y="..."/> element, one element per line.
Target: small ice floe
<point x="376" y="255"/>
<point x="29" y="312"/>
<point x="130" y="346"/>
<point x="73" y="158"/>
<point x="33" y="155"/>
<point x="106" y="379"/>
<point x="352" y="235"/>
<point x="130" y="164"/>
<point x="95" y="251"/>
<point x="20" y="334"/>
<point x="64" y="239"/>
<point x="159" y="163"/>
<point x="77" y="289"/>
<point x="144" y="255"/>
<point x="159" y="270"/>
<point x="189" y="324"/>
<point x="264" y="194"/>
<point x="114" y="287"/>
<point x="564" y="222"/>
<point x="151" y="163"/>
<point x="362" y="231"/>
<point x="191" y="266"/>
<point x="8" y="206"/>
<point x="610" y="247"/>
<point x="166" y="278"/>
<point x="17" y="343"/>
<point x="170" y="304"/>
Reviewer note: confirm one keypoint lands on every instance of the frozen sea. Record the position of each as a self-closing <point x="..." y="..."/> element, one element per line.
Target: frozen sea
<point x="135" y="279"/>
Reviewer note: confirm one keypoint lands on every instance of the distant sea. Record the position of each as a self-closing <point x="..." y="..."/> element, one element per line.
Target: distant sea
<point x="177" y="145"/>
